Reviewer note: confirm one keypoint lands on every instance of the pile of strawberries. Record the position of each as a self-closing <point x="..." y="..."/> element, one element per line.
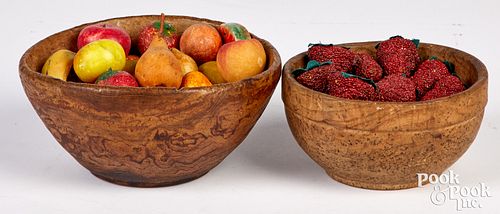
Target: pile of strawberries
<point x="396" y="75"/>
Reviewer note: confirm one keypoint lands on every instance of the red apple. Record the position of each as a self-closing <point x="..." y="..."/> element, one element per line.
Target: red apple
<point x="149" y="32"/>
<point x="241" y="59"/>
<point x="117" y="78"/>
<point x="201" y="42"/>
<point x="104" y="31"/>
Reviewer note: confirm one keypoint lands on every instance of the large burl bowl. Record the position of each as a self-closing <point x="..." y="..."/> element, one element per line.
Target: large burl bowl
<point x="383" y="145"/>
<point x="145" y="136"/>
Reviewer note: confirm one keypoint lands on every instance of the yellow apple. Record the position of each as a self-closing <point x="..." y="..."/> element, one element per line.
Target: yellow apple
<point x="98" y="57"/>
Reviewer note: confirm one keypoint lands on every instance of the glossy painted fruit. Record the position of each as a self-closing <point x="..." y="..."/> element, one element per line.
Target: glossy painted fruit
<point x="117" y="78"/>
<point x="158" y="66"/>
<point x="187" y="63"/>
<point x="98" y="57"/>
<point x="59" y="64"/>
<point x="195" y="79"/>
<point x="211" y="71"/>
<point x="231" y="32"/>
<point x="104" y="31"/>
<point x="169" y="35"/>
<point x="241" y="59"/>
<point x="201" y="42"/>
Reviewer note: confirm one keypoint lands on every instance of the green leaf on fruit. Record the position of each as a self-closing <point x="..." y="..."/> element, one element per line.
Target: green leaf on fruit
<point x="168" y="29"/>
<point x="451" y="67"/>
<point x="433" y="58"/>
<point x="370" y="81"/>
<point x="106" y="75"/>
<point x="310" y="65"/>
<point x="416" y="42"/>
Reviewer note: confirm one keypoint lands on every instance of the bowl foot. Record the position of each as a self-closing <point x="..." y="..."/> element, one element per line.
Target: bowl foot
<point x="145" y="183"/>
<point x="373" y="186"/>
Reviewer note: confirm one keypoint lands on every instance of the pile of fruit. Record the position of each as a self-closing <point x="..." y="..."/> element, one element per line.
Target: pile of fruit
<point x="201" y="56"/>
<point x="395" y="74"/>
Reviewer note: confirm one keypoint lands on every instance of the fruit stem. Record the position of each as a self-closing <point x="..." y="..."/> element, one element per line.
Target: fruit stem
<point x="162" y="23"/>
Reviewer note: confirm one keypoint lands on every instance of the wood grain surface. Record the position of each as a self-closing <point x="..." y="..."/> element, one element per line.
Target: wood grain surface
<point x="382" y="145"/>
<point x="145" y="137"/>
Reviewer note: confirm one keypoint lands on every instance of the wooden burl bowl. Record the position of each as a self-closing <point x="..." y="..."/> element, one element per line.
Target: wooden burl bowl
<point x="145" y="136"/>
<point x="383" y="145"/>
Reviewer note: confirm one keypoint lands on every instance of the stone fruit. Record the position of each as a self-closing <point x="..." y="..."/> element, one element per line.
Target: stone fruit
<point x="58" y="65"/>
<point x="231" y="32"/>
<point x="210" y="70"/>
<point x="116" y="78"/>
<point x="97" y="57"/>
<point x="187" y="63"/>
<point x="241" y="59"/>
<point x="201" y="42"/>
<point x="104" y="31"/>
<point x="195" y="79"/>
<point x="130" y="64"/>
<point x="169" y="35"/>
<point x="158" y="66"/>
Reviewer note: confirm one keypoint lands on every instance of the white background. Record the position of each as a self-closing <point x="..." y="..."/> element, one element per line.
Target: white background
<point x="268" y="172"/>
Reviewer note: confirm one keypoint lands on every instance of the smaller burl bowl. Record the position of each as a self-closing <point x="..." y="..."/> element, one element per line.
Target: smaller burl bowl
<point x="145" y="137"/>
<point x="383" y="145"/>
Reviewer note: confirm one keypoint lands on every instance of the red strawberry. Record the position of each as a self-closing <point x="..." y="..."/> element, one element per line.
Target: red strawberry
<point x="396" y="88"/>
<point x="342" y="58"/>
<point x="444" y="87"/>
<point x="343" y="85"/>
<point x="398" y="56"/>
<point x="114" y="78"/>
<point x="428" y="73"/>
<point x="148" y="33"/>
<point x="315" y="78"/>
<point x="366" y="66"/>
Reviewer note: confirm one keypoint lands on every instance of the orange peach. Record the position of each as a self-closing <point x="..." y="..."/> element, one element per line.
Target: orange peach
<point x="201" y="42"/>
<point x="241" y="59"/>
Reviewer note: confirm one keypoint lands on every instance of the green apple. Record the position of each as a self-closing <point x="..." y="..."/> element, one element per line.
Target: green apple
<point x="98" y="57"/>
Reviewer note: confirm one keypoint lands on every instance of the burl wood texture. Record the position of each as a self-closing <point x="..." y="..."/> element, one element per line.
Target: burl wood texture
<point x="378" y="145"/>
<point x="145" y="136"/>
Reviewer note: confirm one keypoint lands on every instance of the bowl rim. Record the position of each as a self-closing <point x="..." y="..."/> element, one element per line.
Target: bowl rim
<point x="480" y="67"/>
<point x="272" y="66"/>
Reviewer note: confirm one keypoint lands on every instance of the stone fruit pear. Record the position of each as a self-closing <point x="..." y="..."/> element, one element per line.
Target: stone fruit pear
<point x="158" y="66"/>
<point x="187" y="63"/>
<point x="59" y="64"/>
